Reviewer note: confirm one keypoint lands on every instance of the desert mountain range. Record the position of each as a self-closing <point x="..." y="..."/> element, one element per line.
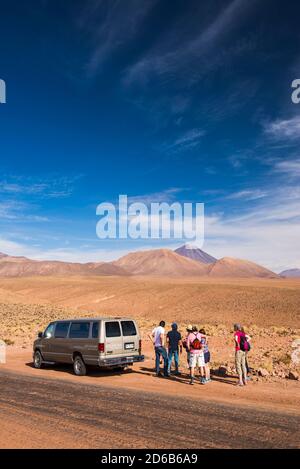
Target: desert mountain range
<point x="184" y="262"/>
<point x="290" y="273"/>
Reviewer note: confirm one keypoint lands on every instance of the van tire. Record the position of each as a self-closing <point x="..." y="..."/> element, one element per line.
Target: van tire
<point x="37" y="360"/>
<point x="79" y="366"/>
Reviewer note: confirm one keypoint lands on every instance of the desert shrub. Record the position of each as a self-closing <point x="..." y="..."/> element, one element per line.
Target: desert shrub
<point x="281" y="331"/>
<point x="267" y="365"/>
<point x="9" y="341"/>
<point x="285" y="359"/>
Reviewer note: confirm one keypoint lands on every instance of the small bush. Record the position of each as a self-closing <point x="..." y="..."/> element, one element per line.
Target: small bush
<point x="285" y="359"/>
<point x="9" y="342"/>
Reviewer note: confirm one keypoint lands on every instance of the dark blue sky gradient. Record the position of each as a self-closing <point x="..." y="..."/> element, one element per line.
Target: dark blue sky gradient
<point x="178" y="100"/>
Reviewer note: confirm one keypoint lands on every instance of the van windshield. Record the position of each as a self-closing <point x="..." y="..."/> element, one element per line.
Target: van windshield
<point x="49" y="332"/>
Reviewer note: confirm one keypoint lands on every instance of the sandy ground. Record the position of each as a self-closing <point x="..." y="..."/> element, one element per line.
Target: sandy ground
<point x="270" y="309"/>
<point x="263" y="302"/>
<point x="283" y="395"/>
<point x="52" y="408"/>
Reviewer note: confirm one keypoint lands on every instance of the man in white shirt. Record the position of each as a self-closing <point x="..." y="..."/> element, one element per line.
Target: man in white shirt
<point x="158" y="338"/>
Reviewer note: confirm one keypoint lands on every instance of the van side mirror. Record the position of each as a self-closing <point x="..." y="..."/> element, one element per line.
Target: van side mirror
<point x="40" y="335"/>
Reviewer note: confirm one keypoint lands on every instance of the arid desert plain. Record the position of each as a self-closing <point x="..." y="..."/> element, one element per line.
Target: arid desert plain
<point x="268" y="308"/>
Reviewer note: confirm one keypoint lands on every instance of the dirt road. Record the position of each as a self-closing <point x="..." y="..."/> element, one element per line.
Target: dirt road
<point x="44" y="413"/>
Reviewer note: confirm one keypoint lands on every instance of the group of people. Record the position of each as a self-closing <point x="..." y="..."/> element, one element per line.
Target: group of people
<point x="169" y="346"/>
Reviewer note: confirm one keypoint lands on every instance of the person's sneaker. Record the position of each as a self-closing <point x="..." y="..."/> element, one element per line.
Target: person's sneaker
<point x="202" y="380"/>
<point x="177" y="373"/>
<point x="192" y="381"/>
<point x="207" y="380"/>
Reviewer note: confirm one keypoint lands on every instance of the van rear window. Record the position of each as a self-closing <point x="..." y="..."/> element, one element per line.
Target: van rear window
<point x="128" y="328"/>
<point x="79" y="330"/>
<point x="112" y="329"/>
<point x="61" y="330"/>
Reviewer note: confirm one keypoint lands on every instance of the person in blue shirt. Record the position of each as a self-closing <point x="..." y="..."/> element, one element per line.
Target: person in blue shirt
<point x="174" y="342"/>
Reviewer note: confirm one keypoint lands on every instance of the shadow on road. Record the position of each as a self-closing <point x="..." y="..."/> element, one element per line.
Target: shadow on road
<point x="92" y="371"/>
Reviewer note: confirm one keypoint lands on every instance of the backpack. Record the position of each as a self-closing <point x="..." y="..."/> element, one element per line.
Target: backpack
<point x="244" y="344"/>
<point x="184" y="344"/>
<point x="196" y="344"/>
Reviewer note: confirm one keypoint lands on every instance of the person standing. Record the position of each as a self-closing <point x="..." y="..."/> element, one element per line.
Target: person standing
<point x="174" y="345"/>
<point x="240" y="356"/>
<point x="158" y="338"/>
<point x="248" y="339"/>
<point x="184" y="344"/>
<point x="194" y="346"/>
<point x="206" y="353"/>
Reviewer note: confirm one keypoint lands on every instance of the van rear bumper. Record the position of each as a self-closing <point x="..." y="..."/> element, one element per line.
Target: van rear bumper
<point x="120" y="360"/>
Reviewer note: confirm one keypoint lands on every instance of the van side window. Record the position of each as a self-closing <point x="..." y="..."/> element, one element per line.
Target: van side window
<point x="49" y="332"/>
<point x="95" y="330"/>
<point x="128" y="328"/>
<point x="112" y="329"/>
<point x="61" y="330"/>
<point x="79" y="330"/>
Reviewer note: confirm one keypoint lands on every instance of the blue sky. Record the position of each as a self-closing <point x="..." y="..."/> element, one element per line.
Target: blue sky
<point x="163" y="101"/>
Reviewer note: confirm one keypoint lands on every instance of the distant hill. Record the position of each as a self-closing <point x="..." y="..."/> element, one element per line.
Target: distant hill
<point x="230" y="267"/>
<point x="195" y="253"/>
<point x="160" y="262"/>
<point x="11" y="266"/>
<point x="156" y="262"/>
<point x="290" y="273"/>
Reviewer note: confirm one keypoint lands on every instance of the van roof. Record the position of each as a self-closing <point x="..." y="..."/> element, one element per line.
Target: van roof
<point x="110" y="318"/>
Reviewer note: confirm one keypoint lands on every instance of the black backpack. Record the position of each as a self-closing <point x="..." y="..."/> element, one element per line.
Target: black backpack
<point x="244" y="344"/>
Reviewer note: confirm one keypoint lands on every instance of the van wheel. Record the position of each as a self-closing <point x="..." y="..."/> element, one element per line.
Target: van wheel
<point x="79" y="366"/>
<point x="37" y="359"/>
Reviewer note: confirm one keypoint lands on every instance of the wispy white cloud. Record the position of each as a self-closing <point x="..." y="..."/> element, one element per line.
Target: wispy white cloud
<point x="111" y="25"/>
<point x="290" y="168"/>
<point x="167" y="58"/>
<point x="283" y="129"/>
<point x="247" y="194"/>
<point x="57" y="187"/>
<point x="187" y="140"/>
<point x="267" y="233"/>
<point x="168" y="195"/>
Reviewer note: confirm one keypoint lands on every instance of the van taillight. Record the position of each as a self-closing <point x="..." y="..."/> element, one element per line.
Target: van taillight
<point x="140" y="346"/>
<point x="101" y="347"/>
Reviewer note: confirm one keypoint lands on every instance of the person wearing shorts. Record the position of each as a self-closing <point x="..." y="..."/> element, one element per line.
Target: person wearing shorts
<point x="194" y="346"/>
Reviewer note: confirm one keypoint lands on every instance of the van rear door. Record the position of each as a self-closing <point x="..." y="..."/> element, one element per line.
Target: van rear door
<point x="130" y="337"/>
<point x="113" y="338"/>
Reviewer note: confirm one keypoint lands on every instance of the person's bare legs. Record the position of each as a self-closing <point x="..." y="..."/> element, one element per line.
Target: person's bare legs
<point x="192" y="374"/>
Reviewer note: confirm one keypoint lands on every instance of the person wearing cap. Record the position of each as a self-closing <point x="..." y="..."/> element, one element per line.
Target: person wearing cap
<point x="174" y="342"/>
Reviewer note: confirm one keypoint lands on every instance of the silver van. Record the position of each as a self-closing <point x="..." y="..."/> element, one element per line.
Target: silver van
<point x="103" y="342"/>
